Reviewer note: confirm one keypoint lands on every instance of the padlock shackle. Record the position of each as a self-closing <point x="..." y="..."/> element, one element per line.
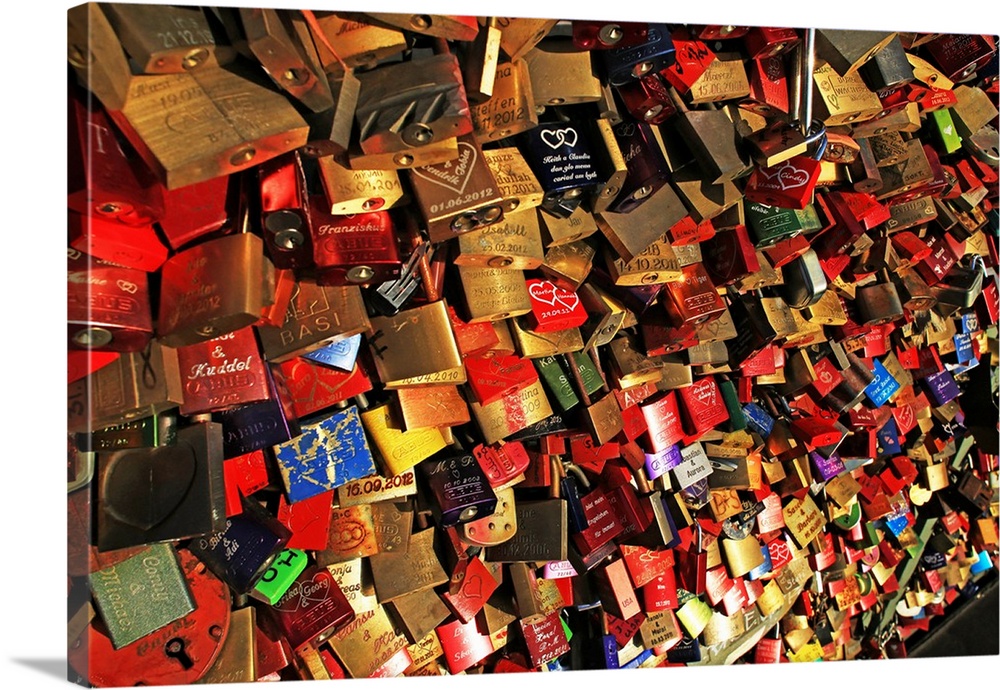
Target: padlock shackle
<point x="801" y="106"/>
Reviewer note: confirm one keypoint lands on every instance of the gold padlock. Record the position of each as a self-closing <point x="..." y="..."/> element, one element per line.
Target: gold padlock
<point x="199" y="125"/>
<point x="510" y="109"/>
<point x="492" y="294"/>
<point x="416" y="347"/>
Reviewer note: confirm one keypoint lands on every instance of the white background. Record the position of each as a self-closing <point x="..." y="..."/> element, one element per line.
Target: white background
<point x="33" y="74"/>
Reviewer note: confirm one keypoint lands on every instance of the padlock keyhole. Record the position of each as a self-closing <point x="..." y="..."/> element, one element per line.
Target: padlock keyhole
<point x="175" y="650"/>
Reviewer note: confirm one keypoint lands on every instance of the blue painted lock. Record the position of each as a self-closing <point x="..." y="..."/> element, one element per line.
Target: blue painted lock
<point x="341" y="354"/>
<point x="562" y="158"/>
<point x="623" y="65"/>
<point x="327" y="454"/>
<point x="245" y="549"/>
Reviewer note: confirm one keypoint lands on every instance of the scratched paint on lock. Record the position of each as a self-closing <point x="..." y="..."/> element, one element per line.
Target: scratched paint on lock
<point x="326" y="455"/>
<point x="341" y="354"/>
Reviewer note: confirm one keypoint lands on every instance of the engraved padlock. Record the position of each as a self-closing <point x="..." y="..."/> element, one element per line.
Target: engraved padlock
<point x="562" y="158"/>
<point x="623" y="64"/>
<point x="355" y="249"/>
<point x="459" y="195"/>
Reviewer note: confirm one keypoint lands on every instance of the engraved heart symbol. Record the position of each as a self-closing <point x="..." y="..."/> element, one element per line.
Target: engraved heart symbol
<point x="128" y="287"/>
<point x="780" y="552"/>
<point x="554" y="138"/>
<point x="144" y="487"/>
<point x="454" y="174"/>
<point x="473" y="587"/>
<point x="626" y="129"/>
<point x="549" y="294"/>
<point x="790" y="177"/>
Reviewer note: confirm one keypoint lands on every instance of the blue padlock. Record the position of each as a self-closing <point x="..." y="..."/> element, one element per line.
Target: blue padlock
<point x="630" y="63"/>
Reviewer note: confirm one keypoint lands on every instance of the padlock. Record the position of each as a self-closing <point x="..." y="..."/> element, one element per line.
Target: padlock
<point x="148" y="121"/>
<point x="691" y="58"/>
<point x="729" y="256"/>
<point x="847" y="50"/>
<point x="184" y="649"/>
<point x="183" y="494"/>
<point x="459" y="195"/>
<point x="709" y="134"/>
<point x="647" y="169"/>
<point x="629" y="234"/>
<point x="625" y="63"/>
<point x="285" y="212"/>
<point x="804" y="281"/>
<point x="693" y="299"/>
<point x="107" y="179"/>
<point x="493" y="294"/>
<point x="657" y="263"/>
<point x="562" y="158"/>
<point x="768" y="87"/>
<point x="888" y="68"/>
<point x="349" y="191"/>
<point x="356" y="249"/>
<point x="290" y="58"/>
<point x="842" y="99"/>
<point x="431" y="110"/>
<point x="959" y="55"/>
<point x="601" y="35"/>
<point x="561" y="74"/>
<point x="165" y="40"/>
<point x="97" y="57"/>
<point x="241" y="552"/>
<point x="312" y="609"/>
<point x="432" y="406"/>
<point x="647" y="99"/>
<point x="108" y="307"/>
<point x="196" y="305"/>
<point x="317" y="315"/>
<point x="518" y="186"/>
<point x="133" y="386"/>
<point x="460" y="489"/>
<point x="725" y="79"/>
<point x="223" y="372"/>
<point x="768" y="42"/>
<point x="327" y="454"/>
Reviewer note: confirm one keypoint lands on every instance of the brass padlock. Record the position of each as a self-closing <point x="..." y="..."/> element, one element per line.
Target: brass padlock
<point x="709" y="134"/>
<point x="424" y="333"/>
<point x="847" y="50"/>
<point x="96" y="56"/>
<point x="631" y="233"/>
<point x="518" y="185"/>
<point x="724" y="79"/>
<point x="511" y="108"/>
<point x="241" y="123"/>
<point x="167" y="40"/>
<point x="359" y="44"/>
<point x="569" y="265"/>
<point x="657" y="263"/>
<point x="561" y="74"/>
<point x="135" y="385"/>
<point x="842" y="100"/>
<point x="292" y="62"/>
<point x="349" y="190"/>
<point x="514" y="243"/>
<point x="317" y="315"/>
<point x="493" y="294"/>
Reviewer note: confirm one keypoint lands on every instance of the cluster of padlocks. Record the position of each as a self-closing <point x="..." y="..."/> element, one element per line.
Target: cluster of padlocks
<point x="410" y="344"/>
